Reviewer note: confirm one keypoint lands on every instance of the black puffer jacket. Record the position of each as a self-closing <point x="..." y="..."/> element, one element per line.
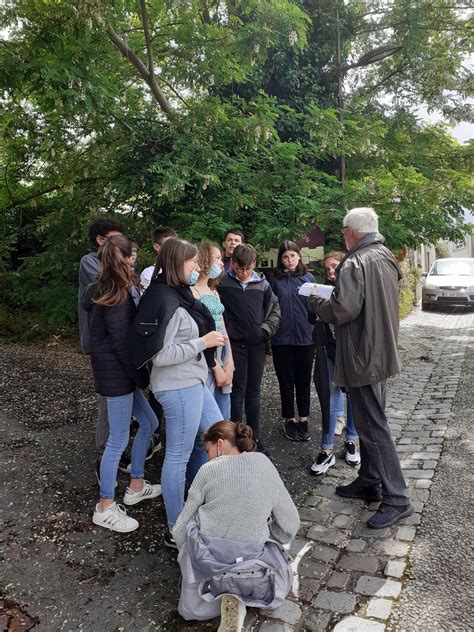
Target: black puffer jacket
<point x="114" y="373"/>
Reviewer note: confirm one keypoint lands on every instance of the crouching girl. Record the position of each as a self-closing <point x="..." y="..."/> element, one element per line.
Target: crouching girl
<point x="230" y="533"/>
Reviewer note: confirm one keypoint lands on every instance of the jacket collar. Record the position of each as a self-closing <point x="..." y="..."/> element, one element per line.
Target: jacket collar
<point x="367" y="240"/>
<point x="256" y="277"/>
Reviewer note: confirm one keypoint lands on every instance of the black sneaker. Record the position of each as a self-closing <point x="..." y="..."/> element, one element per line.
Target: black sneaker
<point x="323" y="462"/>
<point x="125" y="465"/>
<point x="386" y="515"/>
<point x="352" y="455"/>
<point x="303" y="431"/>
<point x="261" y="448"/>
<point x="290" y="428"/>
<point x="369" y="493"/>
<point x="169" y="540"/>
<point x="153" y="446"/>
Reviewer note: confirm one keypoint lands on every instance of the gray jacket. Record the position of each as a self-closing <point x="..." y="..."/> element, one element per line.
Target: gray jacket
<point x="364" y="309"/>
<point x="89" y="268"/>
<point x="260" y="576"/>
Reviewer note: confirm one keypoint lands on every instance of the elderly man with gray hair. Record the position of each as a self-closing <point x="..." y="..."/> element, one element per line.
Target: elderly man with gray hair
<point x="364" y="310"/>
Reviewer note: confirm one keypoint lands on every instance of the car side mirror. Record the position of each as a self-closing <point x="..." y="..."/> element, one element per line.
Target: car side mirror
<point x="424" y="275"/>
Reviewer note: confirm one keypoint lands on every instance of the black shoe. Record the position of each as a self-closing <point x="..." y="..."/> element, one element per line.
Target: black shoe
<point x="125" y="465"/>
<point x="169" y="540"/>
<point x="303" y="431"/>
<point x="153" y="446"/>
<point x="369" y="493"/>
<point x="386" y="515"/>
<point x="261" y="448"/>
<point x="290" y="428"/>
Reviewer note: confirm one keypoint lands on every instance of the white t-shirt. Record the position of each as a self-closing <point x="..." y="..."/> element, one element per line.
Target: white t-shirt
<point x="146" y="276"/>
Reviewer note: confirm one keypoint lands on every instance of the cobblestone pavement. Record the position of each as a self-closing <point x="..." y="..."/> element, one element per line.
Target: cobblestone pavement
<point x="68" y="575"/>
<point x="350" y="577"/>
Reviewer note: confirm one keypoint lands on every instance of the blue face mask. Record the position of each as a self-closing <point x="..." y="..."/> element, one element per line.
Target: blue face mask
<point x="193" y="277"/>
<point x="215" y="271"/>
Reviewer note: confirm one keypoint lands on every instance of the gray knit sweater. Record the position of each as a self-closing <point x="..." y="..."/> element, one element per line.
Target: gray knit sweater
<point x="242" y="498"/>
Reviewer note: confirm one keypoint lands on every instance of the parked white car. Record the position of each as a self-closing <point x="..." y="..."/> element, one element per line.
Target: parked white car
<point x="449" y="282"/>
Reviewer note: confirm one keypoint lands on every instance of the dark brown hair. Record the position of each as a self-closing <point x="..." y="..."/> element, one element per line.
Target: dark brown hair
<point x="116" y="275"/>
<point x="160" y="232"/>
<point x="244" y="256"/>
<point x="239" y="436"/>
<point x="280" y="268"/>
<point x="173" y="253"/>
<point x="234" y="231"/>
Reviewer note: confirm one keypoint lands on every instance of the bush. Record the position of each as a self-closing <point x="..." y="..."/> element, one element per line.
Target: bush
<point x="407" y="288"/>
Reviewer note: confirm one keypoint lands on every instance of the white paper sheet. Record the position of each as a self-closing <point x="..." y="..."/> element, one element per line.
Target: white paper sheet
<point x="324" y="291"/>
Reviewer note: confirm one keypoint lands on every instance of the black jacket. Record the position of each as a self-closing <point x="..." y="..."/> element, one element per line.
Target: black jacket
<point x="114" y="373"/>
<point x="156" y="308"/>
<point x="252" y="315"/>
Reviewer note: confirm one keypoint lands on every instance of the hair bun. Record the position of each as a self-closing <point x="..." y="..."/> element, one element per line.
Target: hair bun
<point x="244" y="438"/>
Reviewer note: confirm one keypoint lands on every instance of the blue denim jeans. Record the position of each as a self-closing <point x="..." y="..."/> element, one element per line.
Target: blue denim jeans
<point x="188" y="413"/>
<point x="223" y="401"/>
<point x="336" y="409"/>
<point x="120" y="410"/>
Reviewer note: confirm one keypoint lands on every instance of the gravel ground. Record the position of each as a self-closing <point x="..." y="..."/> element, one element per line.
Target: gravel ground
<point x="64" y="571"/>
<point x="439" y="594"/>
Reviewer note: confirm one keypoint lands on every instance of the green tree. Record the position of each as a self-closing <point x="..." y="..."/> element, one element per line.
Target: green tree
<point x="204" y="114"/>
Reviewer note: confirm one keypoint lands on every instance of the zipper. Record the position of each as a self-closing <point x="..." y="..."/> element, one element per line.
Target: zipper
<point x="153" y="323"/>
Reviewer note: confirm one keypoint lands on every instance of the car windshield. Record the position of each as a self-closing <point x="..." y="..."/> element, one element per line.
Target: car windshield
<point x="453" y="268"/>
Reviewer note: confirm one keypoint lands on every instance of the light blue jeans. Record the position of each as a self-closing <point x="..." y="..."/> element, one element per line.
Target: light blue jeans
<point x="336" y="408"/>
<point x="188" y="413"/>
<point x="120" y="410"/>
<point x="223" y="401"/>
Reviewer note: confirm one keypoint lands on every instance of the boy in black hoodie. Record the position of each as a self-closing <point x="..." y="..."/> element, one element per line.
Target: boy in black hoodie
<point x="252" y="316"/>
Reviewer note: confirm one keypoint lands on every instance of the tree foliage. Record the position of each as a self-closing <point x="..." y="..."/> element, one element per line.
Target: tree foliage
<point x="204" y="114"/>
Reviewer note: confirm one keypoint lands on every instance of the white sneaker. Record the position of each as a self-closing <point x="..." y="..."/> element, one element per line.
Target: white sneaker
<point x="233" y="614"/>
<point x="114" y="518"/>
<point x="340" y="425"/>
<point x="323" y="463"/>
<point x="352" y="453"/>
<point x="147" y="492"/>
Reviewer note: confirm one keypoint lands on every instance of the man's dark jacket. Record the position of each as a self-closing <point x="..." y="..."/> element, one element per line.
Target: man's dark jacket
<point x="364" y="309"/>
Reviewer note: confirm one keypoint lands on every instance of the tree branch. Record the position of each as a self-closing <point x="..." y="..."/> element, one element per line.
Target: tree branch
<point x="50" y="190"/>
<point x="146" y="30"/>
<point x="135" y="60"/>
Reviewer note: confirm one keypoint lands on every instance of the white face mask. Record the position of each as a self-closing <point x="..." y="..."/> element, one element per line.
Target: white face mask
<point x="215" y="271"/>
